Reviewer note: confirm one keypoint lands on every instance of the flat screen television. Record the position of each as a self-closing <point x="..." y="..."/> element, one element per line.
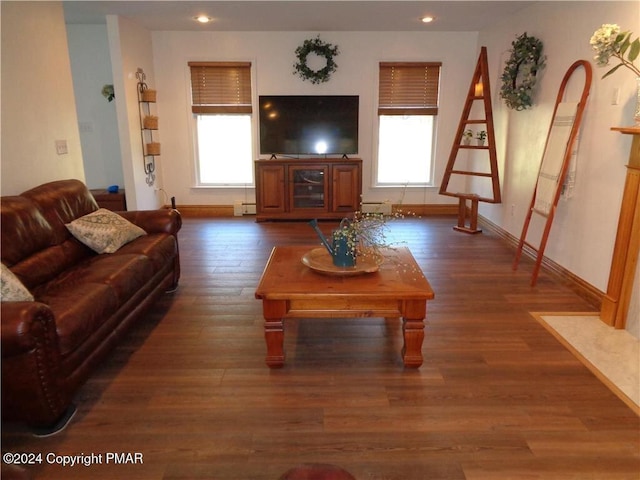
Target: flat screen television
<point x="308" y="124"/>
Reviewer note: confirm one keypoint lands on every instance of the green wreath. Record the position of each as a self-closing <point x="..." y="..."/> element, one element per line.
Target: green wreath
<point x="321" y="49"/>
<point x="519" y="75"/>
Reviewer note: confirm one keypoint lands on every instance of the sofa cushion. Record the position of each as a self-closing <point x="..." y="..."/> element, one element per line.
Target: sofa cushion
<point x="36" y="249"/>
<point x="123" y="274"/>
<point x="104" y="231"/>
<point x="12" y="288"/>
<point x="79" y="311"/>
<point x="25" y="230"/>
<point x="61" y="202"/>
<point x="87" y="295"/>
<point x="47" y="264"/>
<point x="161" y="248"/>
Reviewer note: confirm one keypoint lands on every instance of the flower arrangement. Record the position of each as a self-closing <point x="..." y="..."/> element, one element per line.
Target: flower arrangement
<point x="364" y="236"/>
<point x="481" y="135"/>
<point x="366" y="233"/>
<point x="321" y="49"/>
<point x="609" y="42"/>
<point x="519" y="75"/>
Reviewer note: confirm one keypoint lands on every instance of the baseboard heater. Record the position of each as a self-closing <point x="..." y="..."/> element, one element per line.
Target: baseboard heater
<point x="377" y="207"/>
<point x="241" y="208"/>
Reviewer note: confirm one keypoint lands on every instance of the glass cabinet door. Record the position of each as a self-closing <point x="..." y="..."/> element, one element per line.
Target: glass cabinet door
<point x="309" y="188"/>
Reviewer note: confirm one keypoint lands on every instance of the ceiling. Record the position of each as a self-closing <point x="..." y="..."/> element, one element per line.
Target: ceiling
<point x="306" y="15"/>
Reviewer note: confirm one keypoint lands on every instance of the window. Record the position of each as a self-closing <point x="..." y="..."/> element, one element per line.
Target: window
<point x="407" y="108"/>
<point x="221" y="104"/>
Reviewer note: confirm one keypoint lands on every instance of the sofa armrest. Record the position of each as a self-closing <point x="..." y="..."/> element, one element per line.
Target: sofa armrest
<point x="164" y="220"/>
<point x="27" y="326"/>
<point x="32" y="388"/>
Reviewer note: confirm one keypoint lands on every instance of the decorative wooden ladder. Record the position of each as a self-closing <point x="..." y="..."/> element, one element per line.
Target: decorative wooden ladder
<point x="479" y="90"/>
<point x="563" y="131"/>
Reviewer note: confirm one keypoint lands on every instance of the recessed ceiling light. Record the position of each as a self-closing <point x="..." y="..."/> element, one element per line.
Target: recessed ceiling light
<point x="427" y="19"/>
<point x="203" y="19"/>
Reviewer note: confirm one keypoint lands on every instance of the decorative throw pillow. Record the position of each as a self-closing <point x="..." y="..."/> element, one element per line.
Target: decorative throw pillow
<point x="12" y="288"/>
<point x="104" y="231"/>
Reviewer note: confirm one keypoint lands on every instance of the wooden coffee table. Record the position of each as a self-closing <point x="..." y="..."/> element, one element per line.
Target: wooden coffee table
<point x="289" y="289"/>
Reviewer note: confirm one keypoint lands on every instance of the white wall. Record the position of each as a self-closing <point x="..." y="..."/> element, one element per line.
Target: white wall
<point x="130" y="47"/>
<point x="91" y="69"/>
<point x="272" y="57"/>
<point x="584" y="228"/>
<point x="38" y="105"/>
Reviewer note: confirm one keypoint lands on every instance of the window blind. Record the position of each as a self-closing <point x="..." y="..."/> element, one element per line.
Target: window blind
<point x="220" y="87"/>
<point x="409" y="88"/>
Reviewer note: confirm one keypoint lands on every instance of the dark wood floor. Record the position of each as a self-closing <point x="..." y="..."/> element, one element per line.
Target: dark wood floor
<point x="497" y="397"/>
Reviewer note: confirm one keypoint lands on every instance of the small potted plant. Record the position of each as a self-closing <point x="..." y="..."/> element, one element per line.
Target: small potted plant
<point x="108" y="92"/>
<point x="467" y="136"/>
<point x="480" y="137"/>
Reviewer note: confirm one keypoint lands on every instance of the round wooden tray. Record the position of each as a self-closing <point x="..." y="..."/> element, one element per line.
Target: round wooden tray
<point x="320" y="261"/>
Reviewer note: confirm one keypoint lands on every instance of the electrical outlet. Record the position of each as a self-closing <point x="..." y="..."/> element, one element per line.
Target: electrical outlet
<point x="61" y="147"/>
<point x="513" y="209"/>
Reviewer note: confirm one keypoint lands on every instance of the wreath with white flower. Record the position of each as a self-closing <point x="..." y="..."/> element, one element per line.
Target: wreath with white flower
<point x="322" y="49"/>
<point x="519" y="75"/>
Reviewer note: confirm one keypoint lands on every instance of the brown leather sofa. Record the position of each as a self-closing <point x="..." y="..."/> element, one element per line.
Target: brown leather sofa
<point x="83" y="301"/>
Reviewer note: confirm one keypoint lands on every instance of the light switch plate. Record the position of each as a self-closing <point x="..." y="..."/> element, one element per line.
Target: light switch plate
<point x="61" y="147"/>
<point x="615" y="97"/>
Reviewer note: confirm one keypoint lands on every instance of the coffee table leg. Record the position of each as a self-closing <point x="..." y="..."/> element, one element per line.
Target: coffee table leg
<point x="274" y="332"/>
<point x="413" y="332"/>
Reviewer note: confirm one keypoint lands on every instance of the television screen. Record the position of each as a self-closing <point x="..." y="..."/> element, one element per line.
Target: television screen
<point x="309" y="124"/>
